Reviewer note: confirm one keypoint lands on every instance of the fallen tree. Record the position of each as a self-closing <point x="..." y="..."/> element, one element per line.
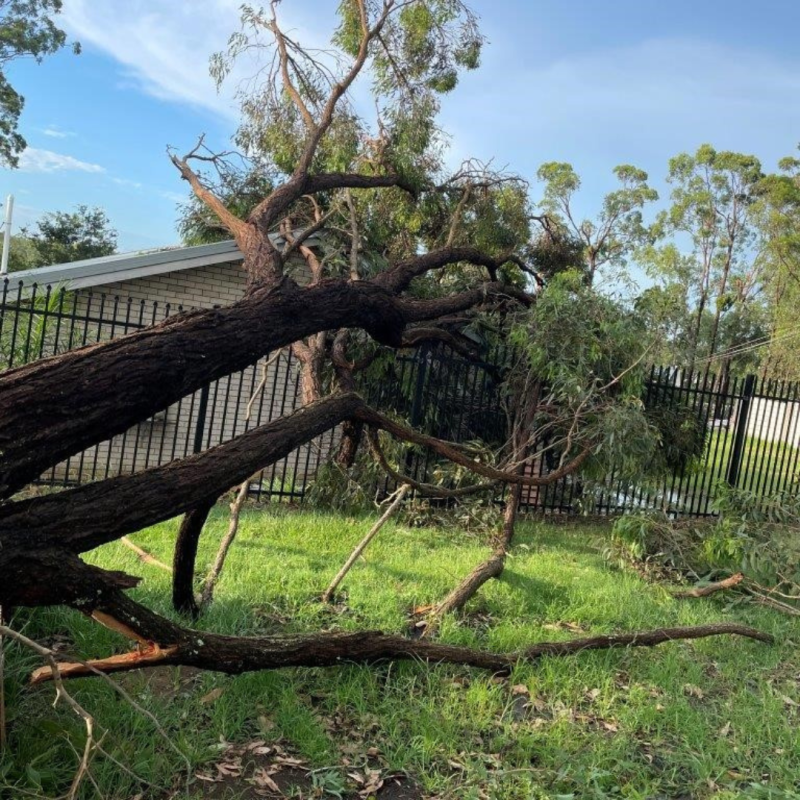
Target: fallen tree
<point x="57" y="407"/>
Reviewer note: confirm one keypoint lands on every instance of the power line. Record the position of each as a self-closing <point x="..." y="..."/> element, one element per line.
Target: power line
<point x="756" y="344"/>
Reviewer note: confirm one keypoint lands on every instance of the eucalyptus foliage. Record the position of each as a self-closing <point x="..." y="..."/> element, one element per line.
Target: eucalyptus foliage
<point x="27" y="30"/>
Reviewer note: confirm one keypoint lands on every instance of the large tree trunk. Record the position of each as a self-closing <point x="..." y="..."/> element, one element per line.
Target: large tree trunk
<point x="56" y="407"/>
<point x="83" y="518"/>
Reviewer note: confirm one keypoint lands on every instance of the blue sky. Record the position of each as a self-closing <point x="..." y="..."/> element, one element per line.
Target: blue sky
<point x="590" y="82"/>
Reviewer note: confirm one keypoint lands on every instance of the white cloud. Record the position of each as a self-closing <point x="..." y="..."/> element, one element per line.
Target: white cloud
<point x="164" y="48"/>
<point x="127" y="183"/>
<point x="35" y="160"/>
<point x="174" y="197"/>
<point x="54" y="132"/>
<point x="640" y="103"/>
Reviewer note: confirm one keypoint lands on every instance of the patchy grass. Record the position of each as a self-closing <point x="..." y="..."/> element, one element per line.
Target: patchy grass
<point x="713" y="718"/>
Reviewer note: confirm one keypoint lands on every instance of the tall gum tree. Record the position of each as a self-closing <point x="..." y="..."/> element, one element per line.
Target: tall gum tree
<point x="713" y="204"/>
<point x="618" y="229"/>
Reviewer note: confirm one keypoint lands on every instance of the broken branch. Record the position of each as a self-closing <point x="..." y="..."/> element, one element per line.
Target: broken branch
<point x="373" y="532"/>
<point x="711" y="588"/>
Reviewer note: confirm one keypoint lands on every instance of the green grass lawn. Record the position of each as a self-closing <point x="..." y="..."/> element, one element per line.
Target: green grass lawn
<point x="712" y="718"/>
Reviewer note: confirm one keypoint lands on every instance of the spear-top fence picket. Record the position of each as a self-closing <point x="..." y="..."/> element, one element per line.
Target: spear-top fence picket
<point x="751" y="425"/>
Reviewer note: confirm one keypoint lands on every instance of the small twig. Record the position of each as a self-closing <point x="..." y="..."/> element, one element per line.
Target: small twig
<point x="771" y="602"/>
<point x="55" y="674"/>
<point x="711" y="588"/>
<point x="398" y="499"/>
<point x="207" y="591"/>
<point x="144" y="556"/>
<point x="261" y="384"/>
<point x="61" y="694"/>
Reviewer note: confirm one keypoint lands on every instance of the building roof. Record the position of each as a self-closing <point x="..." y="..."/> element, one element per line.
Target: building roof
<point x="128" y="266"/>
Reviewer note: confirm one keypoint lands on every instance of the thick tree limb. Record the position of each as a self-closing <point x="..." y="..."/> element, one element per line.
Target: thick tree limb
<point x="104" y="511"/>
<point x="185" y="556"/>
<point x="399" y="277"/>
<point x="418" y="336"/>
<point x="329" y="181"/>
<point x="235" y="655"/>
<point x="424" y="310"/>
<point x="106" y="388"/>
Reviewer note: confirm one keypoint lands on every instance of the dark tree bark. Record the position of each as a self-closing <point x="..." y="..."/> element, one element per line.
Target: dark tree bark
<point x="183" y="563"/>
<point x="102" y="512"/>
<point x="56" y="407"/>
<point x="162" y="642"/>
<point x="347" y="451"/>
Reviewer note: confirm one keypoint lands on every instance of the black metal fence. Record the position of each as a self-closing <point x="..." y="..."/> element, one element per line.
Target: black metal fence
<point x="749" y="438"/>
<point x="750" y="428"/>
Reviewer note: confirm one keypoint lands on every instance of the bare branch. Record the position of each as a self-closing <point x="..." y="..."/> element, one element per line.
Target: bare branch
<point x="237" y="227"/>
<point x="396" y="500"/>
<point x="400" y="275"/>
<point x="446" y="450"/>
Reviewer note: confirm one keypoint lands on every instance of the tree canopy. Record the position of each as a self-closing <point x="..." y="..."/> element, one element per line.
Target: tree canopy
<point x="62" y="236"/>
<point x="27" y="30"/>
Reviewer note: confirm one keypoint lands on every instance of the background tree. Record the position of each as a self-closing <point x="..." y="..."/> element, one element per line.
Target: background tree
<point x="778" y="219"/>
<point x="27" y="29"/>
<point x="712" y="212"/>
<point x="619" y="227"/>
<point x="62" y="236"/>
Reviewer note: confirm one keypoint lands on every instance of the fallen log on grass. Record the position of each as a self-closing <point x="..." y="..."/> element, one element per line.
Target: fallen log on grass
<point x="234" y="655"/>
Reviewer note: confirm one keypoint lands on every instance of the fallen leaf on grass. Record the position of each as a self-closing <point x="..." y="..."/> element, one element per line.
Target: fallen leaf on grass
<point x="574" y="627"/>
<point x="213" y="695"/>
<point x="289" y="761"/>
<point x="230" y="769"/>
<point x="262" y="778"/>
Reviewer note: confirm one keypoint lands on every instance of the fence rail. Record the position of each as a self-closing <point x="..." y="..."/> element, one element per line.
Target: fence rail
<point x="750" y="426"/>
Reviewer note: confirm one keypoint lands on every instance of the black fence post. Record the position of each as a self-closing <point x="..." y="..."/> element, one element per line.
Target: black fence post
<point x="417" y="402"/>
<point x="419" y="388"/>
<point x="735" y="464"/>
<point x="201" y="420"/>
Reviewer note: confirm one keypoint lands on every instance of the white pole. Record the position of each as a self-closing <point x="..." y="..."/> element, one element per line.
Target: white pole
<point x="7" y="234"/>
